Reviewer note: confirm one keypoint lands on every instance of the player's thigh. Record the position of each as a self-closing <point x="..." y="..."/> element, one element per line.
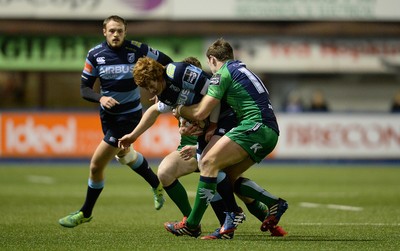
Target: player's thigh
<point x="210" y="144"/>
<point x="174" y="165"/>
<point x="224" y="153"/>
<point x="104" y="153"/>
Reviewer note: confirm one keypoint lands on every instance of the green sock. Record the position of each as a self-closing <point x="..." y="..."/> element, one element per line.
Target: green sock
<point x="178" y="195"/>
<point x="258" y="209"/>
<point x="205" y="192"/>
<point x="249" y="188"/>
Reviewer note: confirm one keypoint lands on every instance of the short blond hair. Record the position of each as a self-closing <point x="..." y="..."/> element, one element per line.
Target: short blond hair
<point x="115" y="18"/>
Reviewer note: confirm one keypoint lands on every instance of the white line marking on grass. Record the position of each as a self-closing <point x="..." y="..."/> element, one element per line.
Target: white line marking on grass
<point x="331" y="206"/>
<point x="345" y="224"/>
<point x="40" y="179"/>
<point x="344" y="207"/>
<point x="310" y="205"/>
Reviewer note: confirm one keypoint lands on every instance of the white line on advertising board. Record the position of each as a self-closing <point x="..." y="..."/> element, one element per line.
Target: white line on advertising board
<point x="361" y="10"/>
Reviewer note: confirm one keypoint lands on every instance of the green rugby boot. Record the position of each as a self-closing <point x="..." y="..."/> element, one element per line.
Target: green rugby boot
<point x="158" y="197"/>
<point x="74" y="219"/>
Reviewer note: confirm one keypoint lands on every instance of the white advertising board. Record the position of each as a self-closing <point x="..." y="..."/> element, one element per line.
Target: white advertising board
<point x="361" y="10"/>
<point x="323" y="55"/>
<point x="338" y="136"/>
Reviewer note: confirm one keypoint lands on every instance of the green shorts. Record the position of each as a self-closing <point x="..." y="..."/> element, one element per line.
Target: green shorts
<point x="257" y="139"/>
<point x="187" y="141"/>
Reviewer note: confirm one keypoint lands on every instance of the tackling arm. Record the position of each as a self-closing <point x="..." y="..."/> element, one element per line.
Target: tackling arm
<point x="200" y="111"/>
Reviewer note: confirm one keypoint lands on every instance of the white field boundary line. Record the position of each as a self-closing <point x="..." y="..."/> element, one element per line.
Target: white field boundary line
<point x="345" y="224"/>
<point x="331" y="206"/>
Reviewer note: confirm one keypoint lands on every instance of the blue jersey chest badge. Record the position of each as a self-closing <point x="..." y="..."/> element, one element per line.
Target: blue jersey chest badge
<point x="131" y="57"/>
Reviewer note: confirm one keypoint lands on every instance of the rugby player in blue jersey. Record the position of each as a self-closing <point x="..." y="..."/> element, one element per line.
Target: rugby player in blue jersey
<point x="120" y="110"/>
<point x="177" y="83"/>
<point x="248" y="143"/>
<point x="181" y="83"/>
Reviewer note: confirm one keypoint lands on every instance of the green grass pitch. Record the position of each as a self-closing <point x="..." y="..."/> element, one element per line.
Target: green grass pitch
<point x="331" y="207"/>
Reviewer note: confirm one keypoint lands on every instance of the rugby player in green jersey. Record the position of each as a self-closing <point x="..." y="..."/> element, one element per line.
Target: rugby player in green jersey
<point x="250" y="142"/>
<point x="181" y="162"/>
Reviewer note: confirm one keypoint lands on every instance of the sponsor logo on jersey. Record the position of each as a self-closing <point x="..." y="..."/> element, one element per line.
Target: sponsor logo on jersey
<point x="101" y="60"/>
<point x="88" y="67"/>
<point x="256" y="147"/>
<point x="190" y="76"/>
<point x="183" y="96"/>
<point x="131" y="57"/>
<point x="215" y="80"/>
<point x="136" y="43"/>
<point x="154" y="51"/>
<point x="114" y="71"/>
<point x="174" y="88"/>
<point x="170" y="70"/>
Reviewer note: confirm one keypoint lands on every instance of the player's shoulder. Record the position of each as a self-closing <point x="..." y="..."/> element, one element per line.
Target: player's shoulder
<point x="233" y="65"/>
<point x="134" y="43"/>
<point x="175" y="68"/>
<point x="179" y="64"/>
<point x="228" y="69"/>
<point x="183" y="66"/>
<point x="97" y="47"/>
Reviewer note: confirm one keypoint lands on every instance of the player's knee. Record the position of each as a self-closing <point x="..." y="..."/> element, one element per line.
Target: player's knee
<point x="208" y="167"/>
<point x="161" y="174"/>
<point x="96" y="171"/>
<point x="165" y="176"/>
<point x="127" y="158"/>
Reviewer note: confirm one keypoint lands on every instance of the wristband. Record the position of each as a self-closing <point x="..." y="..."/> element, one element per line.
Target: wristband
<point x="178" y="109"/>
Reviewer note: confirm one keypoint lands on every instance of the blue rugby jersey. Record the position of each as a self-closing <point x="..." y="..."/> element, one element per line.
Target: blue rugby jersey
<point x="185" y="84"/>
<point x="114" y="69"/>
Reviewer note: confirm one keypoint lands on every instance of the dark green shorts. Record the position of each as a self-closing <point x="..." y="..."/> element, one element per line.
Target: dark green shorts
<point x="187" y="141"/>
<point x="257" y="139"/>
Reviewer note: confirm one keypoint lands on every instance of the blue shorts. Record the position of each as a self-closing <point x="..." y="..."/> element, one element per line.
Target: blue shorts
<point x="115" y="126"/>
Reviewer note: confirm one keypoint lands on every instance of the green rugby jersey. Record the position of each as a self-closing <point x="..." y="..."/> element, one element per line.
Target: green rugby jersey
<point x="244" y="92"/>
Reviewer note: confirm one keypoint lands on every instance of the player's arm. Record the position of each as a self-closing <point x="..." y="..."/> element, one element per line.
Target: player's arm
<point x="200" y="111"/>
<point x="148" y="119"/>
<point x="213" y="122"/>
<point x="88" y="79"/>
<point x="157" y="55"/>
<point x="164" y="59"/>
<point x="87" y="92"/>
